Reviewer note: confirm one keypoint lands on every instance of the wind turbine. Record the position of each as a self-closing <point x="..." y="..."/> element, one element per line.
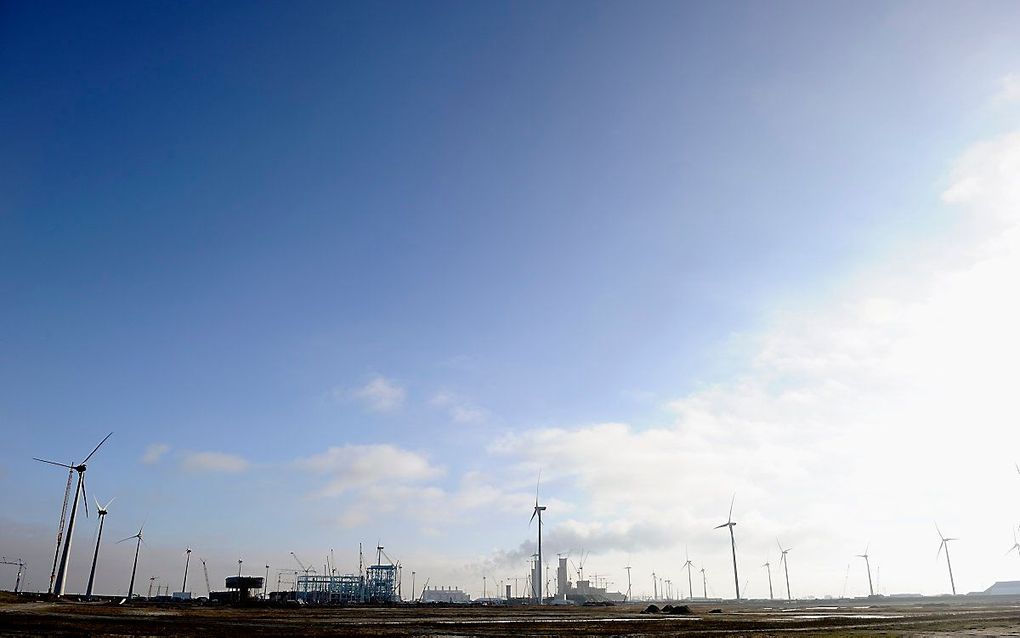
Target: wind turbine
<point x="867" y="563"/>
<point x="101" y="510"/>
<point x="733" y="545"/>
<point x="538" y="512"/>
<point x="187" y="561"/>
<point x="768" y="569"/>
<point x="1016" y="545"/>
<point x="704" y="584"/>
<point x="628" y="568"/>
<point x="949" y="564"/>
<point x="134" y="567"/>
<point x="689" y="565"/>
<point x="79" y="492"/>
<point x="786" y="567"/>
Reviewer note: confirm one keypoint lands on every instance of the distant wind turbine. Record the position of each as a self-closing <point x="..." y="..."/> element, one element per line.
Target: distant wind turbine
<point x="867" y="563"/>
<point x="733" y="545"/>
<point x="786" y="567"/>
<point x="689" y="565"/>
<point x="949" y="564"/>
<point x="1016" y="545"/>
<point x="101" y="510"/>
<point x="134" y="567"/>
<point x="538" y="512"/>
<point x="768" y="570"/>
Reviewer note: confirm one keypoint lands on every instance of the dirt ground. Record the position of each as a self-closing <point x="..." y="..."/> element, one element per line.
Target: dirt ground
<point x="919" y="618"/>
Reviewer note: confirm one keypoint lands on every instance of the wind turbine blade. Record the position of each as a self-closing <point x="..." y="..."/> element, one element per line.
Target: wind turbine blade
<point x="533" y="514"/>
<point x="941" y="545"/>
<point x="729" y="519"/>
<point x="128" y="538"/>
<point x="84" y="495"/>
<point x="107" y="506"/>
<point x="721" y="526"/>
<point x="939" y="531"/>
<point x="97" y="448"/>
<point x="70" y="467"/>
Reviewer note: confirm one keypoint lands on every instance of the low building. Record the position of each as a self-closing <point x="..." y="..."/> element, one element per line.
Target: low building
<point x="445" y="595"/>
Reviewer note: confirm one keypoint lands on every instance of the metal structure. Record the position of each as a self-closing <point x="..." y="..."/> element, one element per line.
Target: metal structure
<point x="21" y="568"/>
<point x="79" y="492"/>
<point x="208" y="587"/>
<point x="379" y="583"/>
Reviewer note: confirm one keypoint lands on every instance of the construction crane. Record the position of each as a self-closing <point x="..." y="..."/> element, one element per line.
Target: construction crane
<point x="60" y="528"/>
<point x="21" y="566"/>
<point x="208" y="587"/>
<point x="306" y="570"/>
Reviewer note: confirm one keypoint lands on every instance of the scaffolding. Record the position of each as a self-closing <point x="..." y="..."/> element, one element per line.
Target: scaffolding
<point x="377" y="583"/>
<point x="339" y="589"/>
<point x="381" y="583"/>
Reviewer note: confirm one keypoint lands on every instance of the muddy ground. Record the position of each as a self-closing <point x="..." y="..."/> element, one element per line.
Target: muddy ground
<point x="930" y="617"/>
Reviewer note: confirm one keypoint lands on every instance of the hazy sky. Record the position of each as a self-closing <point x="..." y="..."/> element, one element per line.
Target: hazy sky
<point x="340" y="273"/>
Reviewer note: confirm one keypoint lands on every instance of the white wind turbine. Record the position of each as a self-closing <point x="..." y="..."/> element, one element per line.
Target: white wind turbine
<point x="134" y="566"/>
<point x="1015" y="547"/>
<point x="949" y="564"/>
<point x="79" y="492"/>
<point x="689" y="566"/>
<point x="733" y="545"/>
<point x="786" y="567"/>
<point x="101" y="510"/>
<point x="768" y="570"/>
<point x="538" y="512"/>
<point x="867" y="563"/>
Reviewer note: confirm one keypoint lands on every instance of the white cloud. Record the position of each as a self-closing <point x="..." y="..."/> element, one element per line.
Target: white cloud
<point x="1009" y="90"/>
<point x="214" y="462"/>
<point x="154" y="452"/>
<point x="362" y="466"/>
<point x="863" y="419"/>
<point x="458" y="409"/>
<point x="381" y="395"/>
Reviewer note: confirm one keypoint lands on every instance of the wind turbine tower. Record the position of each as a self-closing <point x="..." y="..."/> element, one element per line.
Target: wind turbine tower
<point x="786" y="567"/>
<point x="733" y="545"/>
<point x="628" y="582"/>
<point x="101" y="510"/>
<point x="867" y="563"/>
<point x="689" y="565"/>
<point x="134" y="567"/>
<point x="537" y="577"/>
<point x="79" y="492"/>
<point x="187" y="561"/>
<point x="949" y="564"/>
<point x="768" y="570"/>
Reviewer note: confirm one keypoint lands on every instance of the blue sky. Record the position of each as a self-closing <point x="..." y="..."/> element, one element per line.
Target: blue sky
<point x="262" y="230"/>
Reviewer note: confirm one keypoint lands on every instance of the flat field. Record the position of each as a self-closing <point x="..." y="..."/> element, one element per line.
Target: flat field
<point x="922" y="617"/>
